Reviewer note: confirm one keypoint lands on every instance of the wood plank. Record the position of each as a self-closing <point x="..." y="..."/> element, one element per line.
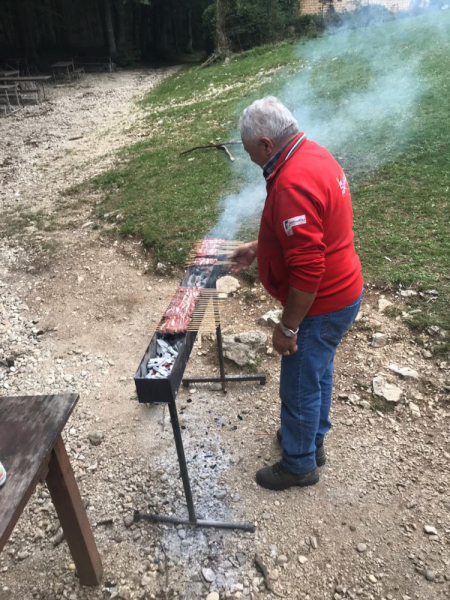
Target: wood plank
<point x="29" y="427"/>
<point x="27" y="78"/>
<point x="72" y="516"/>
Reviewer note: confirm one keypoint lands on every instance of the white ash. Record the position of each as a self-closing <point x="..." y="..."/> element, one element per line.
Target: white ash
<point x="208" y="462"/>
<point x="161" y="365"/>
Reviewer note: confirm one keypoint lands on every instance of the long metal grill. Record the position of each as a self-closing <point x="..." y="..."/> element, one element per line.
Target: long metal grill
<point x="195" y="305"/>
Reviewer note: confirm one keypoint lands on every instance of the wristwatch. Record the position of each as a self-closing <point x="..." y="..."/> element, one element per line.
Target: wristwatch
<point x="288" y="332"/>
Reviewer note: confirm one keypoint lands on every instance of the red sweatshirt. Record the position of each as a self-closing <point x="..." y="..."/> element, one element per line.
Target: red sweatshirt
<point x="306" y="237"/>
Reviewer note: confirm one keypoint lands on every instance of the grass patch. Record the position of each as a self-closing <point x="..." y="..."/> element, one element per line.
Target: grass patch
<point x="21" y="220"/>
<point x="401" y="209"/>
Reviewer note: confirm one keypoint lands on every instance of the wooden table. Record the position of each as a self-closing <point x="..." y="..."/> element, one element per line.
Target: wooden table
<point x="31" y="449"/>
<point x="64" y="64"/>
<point x="18" y="79"/>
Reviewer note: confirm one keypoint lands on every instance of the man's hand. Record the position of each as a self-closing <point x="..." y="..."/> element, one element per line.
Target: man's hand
<point x="283" y="344"/>
<point x="243" y="257"/>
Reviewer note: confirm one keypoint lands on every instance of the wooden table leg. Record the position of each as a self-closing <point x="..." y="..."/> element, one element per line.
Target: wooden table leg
<point x="72" y="516"/>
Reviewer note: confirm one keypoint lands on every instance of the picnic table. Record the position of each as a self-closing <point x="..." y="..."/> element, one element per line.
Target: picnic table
<point x="37" y="79"/>
<point x="63" y="64"/>
<point x="20" y="63"/>
<point x="32" y="449"/>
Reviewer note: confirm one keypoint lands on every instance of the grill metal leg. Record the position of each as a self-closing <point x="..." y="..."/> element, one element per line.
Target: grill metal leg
<point x="224" y="378"/>
<point x="192" y="521"/>
<point x="138" y="516"/>
<point x="182" y="461"/>
<point x="221" y="358"/>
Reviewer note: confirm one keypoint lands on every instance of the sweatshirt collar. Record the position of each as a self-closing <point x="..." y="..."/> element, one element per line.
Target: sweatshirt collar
<point x="278" y="159"/>
<point x="269" y="167"/>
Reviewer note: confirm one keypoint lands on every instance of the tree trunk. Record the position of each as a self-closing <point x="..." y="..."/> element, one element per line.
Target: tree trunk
<point x="164" y="44"/>
<point x="109" y="28"/>
<point x="143" y="28"/>
<point x="190" y="42"/>
<point x="101" y="12"/>
<point x="90" y="30"/>
<point x="67" y="20"/>
<point x="135" y="26"/>
<point x="221" y="42"/>
<point x="50" y="26"/>
<point x="174" y="27"/>
<point x="23" y="21"/>
<point x="121" y="13"/>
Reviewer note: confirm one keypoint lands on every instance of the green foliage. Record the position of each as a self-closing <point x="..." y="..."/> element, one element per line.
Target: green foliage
<point x="310" y="26"/>
<point x="250" y="23"/>
<point x="128" y="56"/>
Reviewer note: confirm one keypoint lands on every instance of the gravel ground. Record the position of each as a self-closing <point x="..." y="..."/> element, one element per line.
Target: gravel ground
<point x="76" y="314"/>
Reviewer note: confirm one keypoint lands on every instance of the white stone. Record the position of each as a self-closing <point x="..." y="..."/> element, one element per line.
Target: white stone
<point x="302" y="560"/>
<point x="213" y="596"/>
<point x="388" y="391"/>
<point x="430" y="530"/>
<point x="243" y="347"/>
<point x="208" y="574"/>
<point x="271" y="318"/>
<point x="379" y="340"/>
<point x="404" y="372"/>
<point x="383" y="304"/>
<point x="354" y="398"/>
<point x="415" y="410"/>
<point x="227" y="284"/>
<point x="408" y="293"/>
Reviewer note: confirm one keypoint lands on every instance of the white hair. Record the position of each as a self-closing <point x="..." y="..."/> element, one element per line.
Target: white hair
<point x="267" y="117"/>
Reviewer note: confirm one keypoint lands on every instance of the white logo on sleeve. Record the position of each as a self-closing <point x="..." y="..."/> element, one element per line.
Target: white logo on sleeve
<point x="290" y="223"/>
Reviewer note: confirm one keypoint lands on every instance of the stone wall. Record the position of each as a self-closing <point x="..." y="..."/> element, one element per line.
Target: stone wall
<point x="323" y="6"/>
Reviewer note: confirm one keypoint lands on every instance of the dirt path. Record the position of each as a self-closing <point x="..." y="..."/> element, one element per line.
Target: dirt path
<point x="76" y="314"/>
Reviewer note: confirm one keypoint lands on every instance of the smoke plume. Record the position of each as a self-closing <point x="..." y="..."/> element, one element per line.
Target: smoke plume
<point x="356" y="92"/>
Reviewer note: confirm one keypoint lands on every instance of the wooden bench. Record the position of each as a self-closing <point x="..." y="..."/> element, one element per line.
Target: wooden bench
<point x="38" y="80"/>
<point x="8" y="93"/>
<point x="78" y="72"/>
<point x="26" y="92"/>
<point x="32" y="449"/>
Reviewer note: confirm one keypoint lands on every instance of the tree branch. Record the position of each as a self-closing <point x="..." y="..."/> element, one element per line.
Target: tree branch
<point x="221" y="146"/>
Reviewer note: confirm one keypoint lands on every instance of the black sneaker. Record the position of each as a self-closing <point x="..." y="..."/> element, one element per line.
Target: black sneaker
<point x="321" y="458"/>
<point x="277" y="477"/>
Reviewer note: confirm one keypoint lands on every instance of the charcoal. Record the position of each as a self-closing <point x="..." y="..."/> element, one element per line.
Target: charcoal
<point x="166" y="354"/>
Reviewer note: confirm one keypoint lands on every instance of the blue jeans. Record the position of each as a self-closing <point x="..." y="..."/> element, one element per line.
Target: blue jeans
<point x="306" y="385"/>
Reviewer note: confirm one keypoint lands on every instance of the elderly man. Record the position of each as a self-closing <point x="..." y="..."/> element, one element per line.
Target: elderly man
<point x="307" y="261"/>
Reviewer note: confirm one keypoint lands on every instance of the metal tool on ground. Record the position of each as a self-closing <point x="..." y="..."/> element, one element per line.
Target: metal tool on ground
<point x="196" y="304"/>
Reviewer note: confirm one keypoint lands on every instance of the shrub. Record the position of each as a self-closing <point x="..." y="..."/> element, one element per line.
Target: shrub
<point x="128" y="56"/>
<point x="310" y="26"/>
